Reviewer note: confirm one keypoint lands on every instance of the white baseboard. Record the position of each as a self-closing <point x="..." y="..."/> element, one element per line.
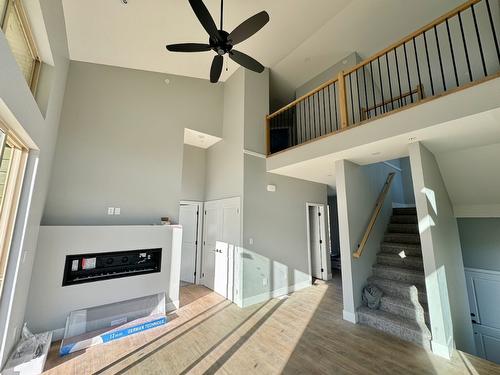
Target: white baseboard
<point x="172" y="305"/>
<point x="350" y="317"/>
<point x="275" y="293"/>
<point x="442" y="350"/>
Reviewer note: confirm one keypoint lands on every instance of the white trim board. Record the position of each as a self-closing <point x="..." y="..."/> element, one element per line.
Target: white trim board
<point x="478" y="210"/>
<point x="275" y="293"/>
<point x="253" y="153"/>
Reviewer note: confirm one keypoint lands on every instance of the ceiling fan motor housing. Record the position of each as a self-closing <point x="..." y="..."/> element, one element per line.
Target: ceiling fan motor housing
<point x="223" y="46"/>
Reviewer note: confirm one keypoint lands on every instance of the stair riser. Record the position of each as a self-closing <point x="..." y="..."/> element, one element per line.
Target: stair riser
<point x="402" y="238"/>
<point x="413" y="313"/>
<point x="396" y="249"/>
<point x="404" y="219"/>
<point x="404" y="211"/>
<point x="395" y="330"/>
<point x="403" y="228"/>
<point x="399" y="276"/>
<point x="409" y="293"/>
<point x="410" y="263"/>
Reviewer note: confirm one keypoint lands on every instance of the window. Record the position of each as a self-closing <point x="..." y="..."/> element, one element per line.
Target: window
<point x="18" y="34"/>
<point x="13" y="156"/>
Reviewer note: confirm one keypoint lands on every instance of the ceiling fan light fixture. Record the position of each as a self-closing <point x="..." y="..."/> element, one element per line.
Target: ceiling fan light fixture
<point x="222" y="42"/>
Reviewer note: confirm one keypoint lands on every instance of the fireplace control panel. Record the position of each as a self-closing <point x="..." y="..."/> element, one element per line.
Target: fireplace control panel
<point x="85" y="268"/>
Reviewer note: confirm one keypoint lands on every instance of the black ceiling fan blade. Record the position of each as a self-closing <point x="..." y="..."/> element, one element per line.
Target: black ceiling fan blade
<point x="188" y="47"/>
<point x="246" y="61"/>
<point x="205" y="18"/>
<point x="216" y="69"/>
<point x="249" y="27"/>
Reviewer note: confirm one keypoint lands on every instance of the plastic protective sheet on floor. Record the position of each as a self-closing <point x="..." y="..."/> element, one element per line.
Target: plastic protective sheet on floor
<point x="101" y="324"/>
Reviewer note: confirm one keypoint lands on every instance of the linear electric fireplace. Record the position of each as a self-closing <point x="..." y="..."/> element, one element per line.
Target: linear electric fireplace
<point x="86" y="268"/>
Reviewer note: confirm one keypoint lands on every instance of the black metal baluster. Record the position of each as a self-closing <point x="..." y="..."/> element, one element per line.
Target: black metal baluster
<point x="314" y="116"/>
<point x="303" y="116"/>
<point x="407" y="72"/>
<point x="366" y="95"/>
<point x="493" y="29"/>
<point x="452" y="53"/>
<point x="439" y="57"/>
<point x="428" y="63"/>
<point x="352" y="101"/>
<point x="309" y="133"/>
<point x="399" y="78"/>
<point x="373" y="89"/>
<point x="381" y="85"/>
<point x="336" y="113"/>
<point x="324" y="109"/>
<point x="479" y="40"/>
<point x="418" y="65"/>
<point x="330" y="107"/>
<point x="465" y="45"/>
<point x="390" y="83"/>
<point x="359" y="97"/>
<point x="318" y="124"/>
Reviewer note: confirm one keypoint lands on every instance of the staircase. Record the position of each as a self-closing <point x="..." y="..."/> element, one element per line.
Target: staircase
<point x="399" y="273"/>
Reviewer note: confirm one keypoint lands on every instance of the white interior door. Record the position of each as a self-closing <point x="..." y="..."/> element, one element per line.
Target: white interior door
<point x="188" y="218"/>
<point x="315" y="242"/>
<point x="221" y="239"/>
<point x="210" y="234"/>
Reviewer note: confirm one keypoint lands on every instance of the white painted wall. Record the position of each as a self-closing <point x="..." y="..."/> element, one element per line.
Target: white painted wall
<point x="444" y="270"/>
<point x="121" y="144"/>
<point x="50" y="303"/>
<point x="193" y="173"/>
<point x="18" y="108"/>
<point x="358" y="188"/>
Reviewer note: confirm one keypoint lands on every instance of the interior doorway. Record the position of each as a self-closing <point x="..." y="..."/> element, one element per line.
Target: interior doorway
<point x="316" y="241"/>
<point x="190" y="219"/>
<point x="221" y="241"/>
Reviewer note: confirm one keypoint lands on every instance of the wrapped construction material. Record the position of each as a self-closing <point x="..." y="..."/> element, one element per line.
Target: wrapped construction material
<point x="30" y="354"/>
<point x="101" y="324"/>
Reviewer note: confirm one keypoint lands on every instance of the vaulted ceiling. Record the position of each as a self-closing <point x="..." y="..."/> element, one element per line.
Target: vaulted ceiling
<point x="302" y="39"/>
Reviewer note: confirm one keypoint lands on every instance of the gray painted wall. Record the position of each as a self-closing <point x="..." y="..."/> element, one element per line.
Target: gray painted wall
<point x="193" y="173"/>
<point x="358" y="188"/>
<point x="480" y="239"/>
<point x="121" y="144"/>
<point x="225" y="159"/>
<point x="276" y="222"/>
<point x="17" y="101"/>
<point x="441" y="250"/>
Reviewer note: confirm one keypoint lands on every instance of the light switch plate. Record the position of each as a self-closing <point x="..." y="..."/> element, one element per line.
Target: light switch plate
<point x="111" y="210"/>
<point x="117" y="210"/>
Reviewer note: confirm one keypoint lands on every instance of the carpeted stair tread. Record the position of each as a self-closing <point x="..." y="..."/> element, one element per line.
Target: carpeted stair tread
<point x="399" y="274"/>
<point x="402" y="228"/>
<point x="395" y="260"/>
<point x="397" y="247"/>
<point x="401" y="289"/>
<point x="404" y="219"/>
<point x="404" y="211"/>
<point x="410" y="330"/>
<point x="402" y="238"/>
<point x="403" y="307"/>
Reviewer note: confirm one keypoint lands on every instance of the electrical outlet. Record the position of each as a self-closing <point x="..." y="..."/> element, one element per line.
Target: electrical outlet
<point x="264" y="281"/>
<point x="111" y="210"/>
<point x="117" y="210"/>
<point x="250" y="241"/>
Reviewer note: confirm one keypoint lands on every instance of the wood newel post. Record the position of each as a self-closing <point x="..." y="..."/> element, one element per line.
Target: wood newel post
<point x="344" y="120"/>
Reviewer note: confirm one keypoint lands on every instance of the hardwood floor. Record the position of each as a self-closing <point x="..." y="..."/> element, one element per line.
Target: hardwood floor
<point x="301" y="334"/>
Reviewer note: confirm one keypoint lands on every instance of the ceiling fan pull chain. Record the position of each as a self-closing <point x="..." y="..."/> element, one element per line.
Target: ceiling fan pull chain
<point x="227" y="65"/>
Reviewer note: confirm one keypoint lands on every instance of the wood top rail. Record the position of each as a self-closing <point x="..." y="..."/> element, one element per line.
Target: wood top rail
<point x="375" y="215"/>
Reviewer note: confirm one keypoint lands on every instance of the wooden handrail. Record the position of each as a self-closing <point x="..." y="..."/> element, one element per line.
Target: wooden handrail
<point x="376" y="213"/>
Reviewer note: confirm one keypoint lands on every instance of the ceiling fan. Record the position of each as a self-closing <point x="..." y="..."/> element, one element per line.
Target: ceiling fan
<point x="223" y="42"/>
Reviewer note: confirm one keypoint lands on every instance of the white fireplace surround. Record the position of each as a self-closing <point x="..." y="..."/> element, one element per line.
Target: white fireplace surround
<point x="49" y="303"/>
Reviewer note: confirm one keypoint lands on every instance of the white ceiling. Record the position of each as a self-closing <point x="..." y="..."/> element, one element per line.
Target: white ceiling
<point x="135" y="35"/>
<point x="302" y="39"/>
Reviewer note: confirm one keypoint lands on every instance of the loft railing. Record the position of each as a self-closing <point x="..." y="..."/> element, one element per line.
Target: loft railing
<point x="457" y="50"/>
